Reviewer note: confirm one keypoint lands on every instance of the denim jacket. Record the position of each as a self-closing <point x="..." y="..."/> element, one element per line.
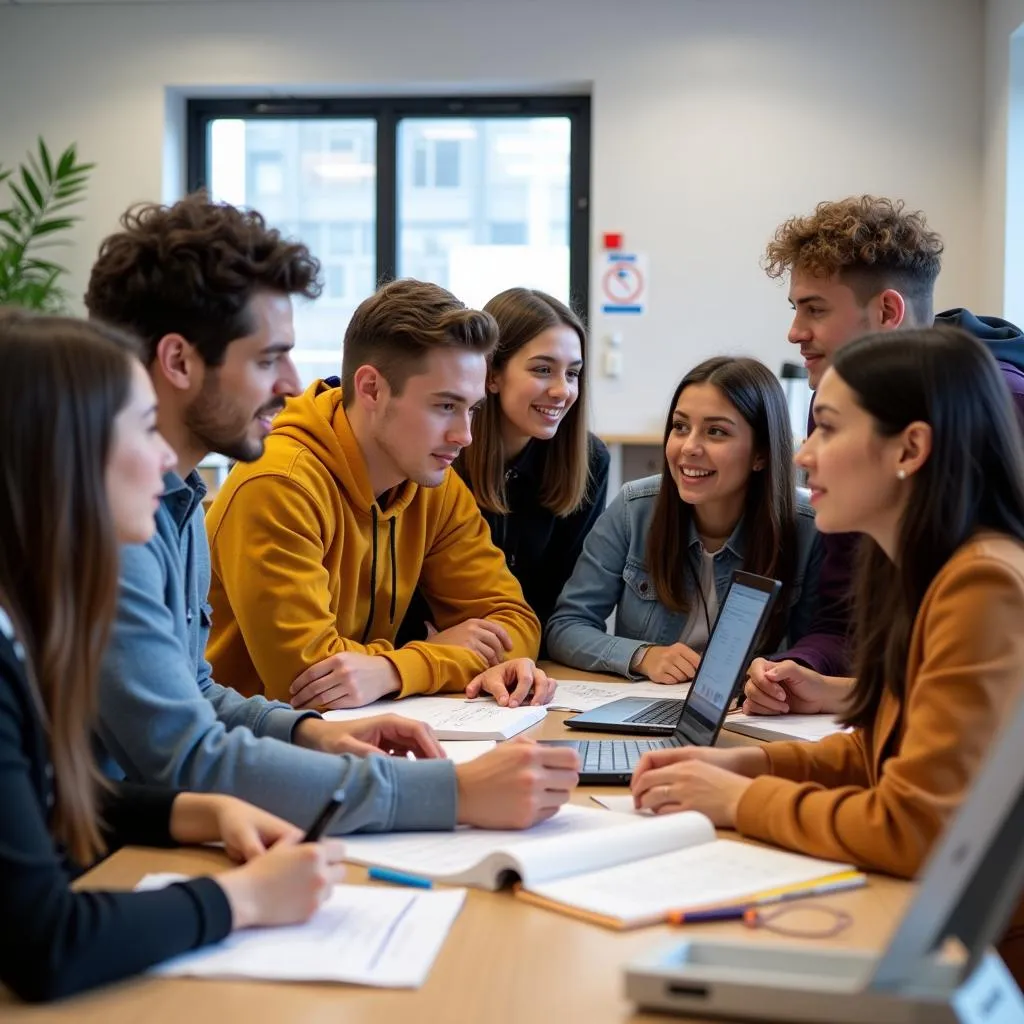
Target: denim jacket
<point x="612" y="575"/>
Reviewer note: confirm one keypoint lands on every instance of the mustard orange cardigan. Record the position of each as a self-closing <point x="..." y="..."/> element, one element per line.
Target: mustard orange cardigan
<point x="879" y="797"/>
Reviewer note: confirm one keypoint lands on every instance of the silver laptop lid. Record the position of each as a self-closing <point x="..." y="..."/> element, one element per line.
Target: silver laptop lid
<point x="741" y="618"/>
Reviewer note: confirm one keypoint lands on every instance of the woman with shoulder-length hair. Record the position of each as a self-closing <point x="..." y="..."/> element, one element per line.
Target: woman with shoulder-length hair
<point x="81" y="465"/>
<point x="539" y="477"/>
<point x="663" y="554"/>
<point x="916" y="445"/>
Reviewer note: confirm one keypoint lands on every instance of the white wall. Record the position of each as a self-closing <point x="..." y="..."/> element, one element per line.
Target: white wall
<point x="1002" y="288"/>
<point x="712" y="122"/>
<point x="1013" y="267"/>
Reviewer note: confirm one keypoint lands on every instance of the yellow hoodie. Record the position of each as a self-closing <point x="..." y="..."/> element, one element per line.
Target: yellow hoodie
<point x="305" y="563"/>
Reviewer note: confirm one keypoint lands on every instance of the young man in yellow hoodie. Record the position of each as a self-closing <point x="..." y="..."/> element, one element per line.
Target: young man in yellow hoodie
<point x="207" y="288"/>
<point x="318" y="547"/>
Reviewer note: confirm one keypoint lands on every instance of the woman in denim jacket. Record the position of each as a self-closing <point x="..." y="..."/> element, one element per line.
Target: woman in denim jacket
<point x="663" y="553"/>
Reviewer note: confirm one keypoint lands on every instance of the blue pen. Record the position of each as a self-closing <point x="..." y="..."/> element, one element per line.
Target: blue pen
<point x="399" y="878"/>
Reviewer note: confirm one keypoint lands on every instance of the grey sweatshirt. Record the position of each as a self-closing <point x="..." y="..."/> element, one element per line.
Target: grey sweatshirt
<point x="164" y="721"/>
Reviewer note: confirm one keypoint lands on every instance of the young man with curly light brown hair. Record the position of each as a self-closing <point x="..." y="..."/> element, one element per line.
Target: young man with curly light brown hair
<point x="857" y="265"/>
<point x="319" y="547"/>
<point x="208" y="289"/>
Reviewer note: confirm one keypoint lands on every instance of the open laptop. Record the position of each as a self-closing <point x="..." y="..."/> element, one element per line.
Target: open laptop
<point x="696" y="720"/>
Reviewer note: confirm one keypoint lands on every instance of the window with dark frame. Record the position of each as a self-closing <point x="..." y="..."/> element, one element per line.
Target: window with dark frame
<point x="477" y="194"/>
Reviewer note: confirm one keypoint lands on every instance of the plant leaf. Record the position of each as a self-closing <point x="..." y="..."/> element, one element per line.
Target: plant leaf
<point x="26" y="206"/>
<point x="66" y="161"/>
<point x="42" y="193"/>
<point x="43" y="265"/>
<point x="33" y="189"/>
<point x="44" y="227"/>
<point x="33" y="166"/>
<point x="44" y="155"/>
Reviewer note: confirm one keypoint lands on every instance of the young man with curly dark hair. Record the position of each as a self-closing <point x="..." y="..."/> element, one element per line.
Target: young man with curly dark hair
<point x="208" y="289"/>
<point x="861" y="264"/>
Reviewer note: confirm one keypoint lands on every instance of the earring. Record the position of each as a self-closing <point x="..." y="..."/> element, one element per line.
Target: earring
<point x="901" y="474"/>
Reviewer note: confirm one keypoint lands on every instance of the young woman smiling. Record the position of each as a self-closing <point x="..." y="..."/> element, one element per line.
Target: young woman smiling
<point x="663" y="554"/>
<point x="539" y="477"/>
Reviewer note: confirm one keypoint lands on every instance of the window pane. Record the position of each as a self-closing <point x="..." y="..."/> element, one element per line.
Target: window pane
<point x="341" y="239"/>
<point x="446" y="163"/>
<point x="419" y="172"/>
<point x="484" y="204"/>
<point x="316" y="181"/>
<point x="334" y="281"/>
<point x="508" y="233"/>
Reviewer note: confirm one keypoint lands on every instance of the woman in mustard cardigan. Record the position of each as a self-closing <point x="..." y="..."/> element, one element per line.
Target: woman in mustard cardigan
<point x="916" y="446"/>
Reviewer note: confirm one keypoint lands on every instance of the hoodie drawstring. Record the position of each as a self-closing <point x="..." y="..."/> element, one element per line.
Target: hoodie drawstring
<point x="373" y="574"/>
<point x="394" y="573"/>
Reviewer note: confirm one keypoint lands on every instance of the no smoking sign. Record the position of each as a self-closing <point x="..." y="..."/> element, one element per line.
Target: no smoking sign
<point x="622" y="283"/>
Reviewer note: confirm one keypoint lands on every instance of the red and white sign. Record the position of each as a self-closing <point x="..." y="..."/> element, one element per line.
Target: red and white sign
<point x="622" y="283"/>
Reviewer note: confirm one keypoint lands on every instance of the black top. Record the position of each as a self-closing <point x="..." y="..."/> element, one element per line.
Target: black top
<point x="54" y="942"/>
<point x="540" y="548"/>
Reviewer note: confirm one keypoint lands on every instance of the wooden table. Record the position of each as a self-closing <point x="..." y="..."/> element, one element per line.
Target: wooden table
<point x="504" y="962"/>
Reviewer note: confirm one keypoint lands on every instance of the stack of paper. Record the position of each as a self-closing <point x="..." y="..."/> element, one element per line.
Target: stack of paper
<point x="451" y="718"/>
<point x="783" y="727"/>
<point x="363" y="935"/>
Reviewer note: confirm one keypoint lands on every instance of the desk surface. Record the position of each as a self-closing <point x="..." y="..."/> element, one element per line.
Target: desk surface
<point x="504" y="962"/>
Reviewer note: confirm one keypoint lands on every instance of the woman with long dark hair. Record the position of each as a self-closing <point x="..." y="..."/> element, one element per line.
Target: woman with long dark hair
<point x="916" y="446"/>
<point x="81" y="467"/>
<point x="662" y="555"/>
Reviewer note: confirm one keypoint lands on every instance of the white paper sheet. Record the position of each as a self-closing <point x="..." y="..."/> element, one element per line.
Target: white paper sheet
<point x="621" y="805"/>
<point x="362" y="935"/>
<point x="783" y="727"/>
<point x="451" y="718"/>
<point x="713" y="872"/>
<point x="569" y="842"/>
<point x="451" y="852"/>
<point x="581" y="696"/>
<point x="461" y="751"/>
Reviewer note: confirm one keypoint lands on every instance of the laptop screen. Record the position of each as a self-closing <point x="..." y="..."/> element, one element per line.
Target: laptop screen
<point x="726" y="657"/>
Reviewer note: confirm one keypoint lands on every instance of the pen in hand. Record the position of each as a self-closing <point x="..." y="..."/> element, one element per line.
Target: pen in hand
<point x="325" y="817"/>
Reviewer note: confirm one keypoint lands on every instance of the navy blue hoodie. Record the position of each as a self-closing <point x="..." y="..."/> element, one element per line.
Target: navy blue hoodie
<point x="1004" y="340"/>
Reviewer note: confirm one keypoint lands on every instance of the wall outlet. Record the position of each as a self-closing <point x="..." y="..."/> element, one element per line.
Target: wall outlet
<point x="613" y="362"/>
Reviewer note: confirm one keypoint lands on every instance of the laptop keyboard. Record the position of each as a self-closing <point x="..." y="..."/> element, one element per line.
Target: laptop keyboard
<point x="617" y="755"/>
<point x="662" y="712"/>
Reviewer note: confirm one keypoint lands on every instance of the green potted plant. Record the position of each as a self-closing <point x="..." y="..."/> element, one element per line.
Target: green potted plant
<point x="42" y="191"/>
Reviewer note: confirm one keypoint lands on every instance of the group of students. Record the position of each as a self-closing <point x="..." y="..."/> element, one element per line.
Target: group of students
<point x="362" y="547"/>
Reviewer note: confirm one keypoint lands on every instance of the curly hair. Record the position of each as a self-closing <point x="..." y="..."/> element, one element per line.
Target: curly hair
<point x="192" y="269"/>
<point x="870" y="243"/>
<point x="397" y="327"/>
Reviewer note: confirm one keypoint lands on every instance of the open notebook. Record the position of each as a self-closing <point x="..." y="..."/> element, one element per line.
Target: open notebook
<point x="452" y="718"/>
<point x="615" y="870"/>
